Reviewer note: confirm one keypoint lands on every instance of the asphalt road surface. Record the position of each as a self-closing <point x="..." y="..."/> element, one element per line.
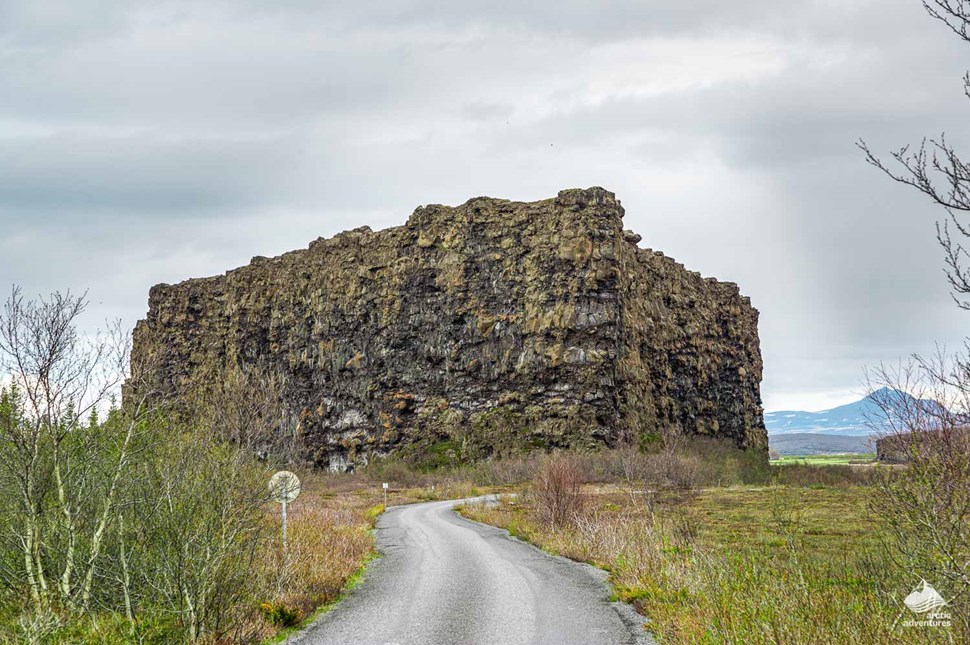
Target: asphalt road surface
<point x="445" y="579"/>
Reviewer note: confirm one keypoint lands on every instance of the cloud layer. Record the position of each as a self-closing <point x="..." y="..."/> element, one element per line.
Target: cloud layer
<point x="149" y="143"/>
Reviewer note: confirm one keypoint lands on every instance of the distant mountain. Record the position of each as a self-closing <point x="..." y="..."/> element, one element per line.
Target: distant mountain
<point x="850" y="420"/>
<point x="804" y="443"/>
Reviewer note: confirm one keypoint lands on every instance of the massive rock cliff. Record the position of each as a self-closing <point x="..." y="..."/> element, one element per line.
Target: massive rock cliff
<point x="485" y="328"/>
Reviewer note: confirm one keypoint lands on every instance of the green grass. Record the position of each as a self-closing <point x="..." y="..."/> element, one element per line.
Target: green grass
<point x="742" y="564"/>
<point x="826" y="520"/>
<point x="825" y="460"/>
<point x="95" y="629"/>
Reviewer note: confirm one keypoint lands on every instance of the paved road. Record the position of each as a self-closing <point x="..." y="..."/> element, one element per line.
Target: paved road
<point x="444" y="579"/>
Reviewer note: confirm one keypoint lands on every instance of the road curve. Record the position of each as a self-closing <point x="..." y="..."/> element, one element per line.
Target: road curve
<point x="445" y="579"/>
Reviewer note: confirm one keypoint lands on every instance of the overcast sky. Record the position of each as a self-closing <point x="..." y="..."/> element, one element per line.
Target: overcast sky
<point x="156" y="141"/>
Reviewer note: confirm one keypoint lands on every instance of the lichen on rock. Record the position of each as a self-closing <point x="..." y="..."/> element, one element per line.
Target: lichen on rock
<point x="494" y="326"/>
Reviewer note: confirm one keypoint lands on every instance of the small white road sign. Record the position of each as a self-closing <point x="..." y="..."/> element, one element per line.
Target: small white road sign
<point x="284" y="487"/>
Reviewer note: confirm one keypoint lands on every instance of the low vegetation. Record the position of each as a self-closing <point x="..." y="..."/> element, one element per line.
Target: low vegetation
<point x="796" y="558"/>
<point x="329" y="540"/>
<point x="187" y="549"/>
<point x="846" y="459"/>
<point x="150" y="523"/>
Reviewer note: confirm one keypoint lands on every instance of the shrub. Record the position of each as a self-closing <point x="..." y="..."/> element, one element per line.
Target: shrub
<point x="506" y="471"/>
<point x="556" y="491"/>
<point x="397" y="472"/>
<point x="373" y="512"/>
<point x="279" y="614"/>
<point x="724" y="464"/>
<point x="679" y="471"/>
<point x="809" y="475"/>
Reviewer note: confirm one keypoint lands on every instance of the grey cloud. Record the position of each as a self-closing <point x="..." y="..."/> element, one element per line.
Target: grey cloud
<point x="147" y="143"/>
<point x="139" y="175"/>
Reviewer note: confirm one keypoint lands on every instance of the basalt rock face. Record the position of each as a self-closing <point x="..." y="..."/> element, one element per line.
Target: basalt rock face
<point x="486" y="328"/>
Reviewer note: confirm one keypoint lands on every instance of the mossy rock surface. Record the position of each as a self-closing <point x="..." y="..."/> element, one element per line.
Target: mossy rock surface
<point x="497" y="325"/>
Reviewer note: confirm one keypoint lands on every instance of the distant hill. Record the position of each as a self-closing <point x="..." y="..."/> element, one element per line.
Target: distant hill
<point x="805" y="443"/>
<point x="849" y="420"/>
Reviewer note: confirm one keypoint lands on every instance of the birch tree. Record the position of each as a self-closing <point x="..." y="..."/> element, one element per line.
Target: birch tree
<point x="61" y="462"/>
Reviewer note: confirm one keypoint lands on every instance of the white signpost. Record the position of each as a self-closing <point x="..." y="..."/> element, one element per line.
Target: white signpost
<point x="385" y="496"/>
<point x="284" y="487"/>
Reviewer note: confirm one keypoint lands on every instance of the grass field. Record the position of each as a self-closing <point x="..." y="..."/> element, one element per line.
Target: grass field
<point x="741" y="564"/>
<point x="826" y="460"/>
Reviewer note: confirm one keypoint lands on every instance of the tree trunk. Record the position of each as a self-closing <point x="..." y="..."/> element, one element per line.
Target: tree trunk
<point x="105" y="516"/>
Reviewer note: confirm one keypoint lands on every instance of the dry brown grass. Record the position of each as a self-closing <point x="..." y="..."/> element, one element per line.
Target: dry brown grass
<point x="329" y="540"/>
<point x="745" y="564"/>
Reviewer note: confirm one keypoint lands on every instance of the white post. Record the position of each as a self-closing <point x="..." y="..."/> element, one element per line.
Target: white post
<point x="285" y="492"/>
<point x="385" y="496"/>
<point x="284" y="487"/>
